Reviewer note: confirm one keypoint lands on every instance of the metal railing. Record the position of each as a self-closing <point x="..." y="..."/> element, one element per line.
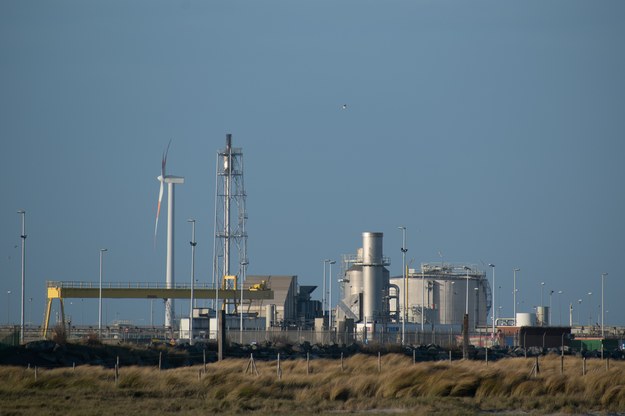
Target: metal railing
<point x="126" y="285"/>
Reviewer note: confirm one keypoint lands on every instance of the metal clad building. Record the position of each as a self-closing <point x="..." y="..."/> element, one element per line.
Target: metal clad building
<point x="284" y="298"/>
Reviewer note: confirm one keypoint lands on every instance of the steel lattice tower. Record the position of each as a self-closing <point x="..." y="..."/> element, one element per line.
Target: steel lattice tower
<point x="230" y="217"/>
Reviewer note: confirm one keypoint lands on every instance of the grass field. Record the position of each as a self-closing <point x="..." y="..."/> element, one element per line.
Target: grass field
<point x="459" y="387"/>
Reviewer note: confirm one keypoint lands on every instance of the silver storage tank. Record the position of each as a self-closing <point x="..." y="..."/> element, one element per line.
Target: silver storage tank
<point x="542" y="315"/>
<point x="525" y="319"/>
<point x="354" y="275"/>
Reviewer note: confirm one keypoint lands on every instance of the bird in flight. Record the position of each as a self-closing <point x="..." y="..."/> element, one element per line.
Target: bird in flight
<point x="344" y="107"/>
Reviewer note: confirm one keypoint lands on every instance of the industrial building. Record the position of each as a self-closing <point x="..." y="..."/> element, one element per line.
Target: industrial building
<point x="291" y="305"/>
<point x="437" y="294"/>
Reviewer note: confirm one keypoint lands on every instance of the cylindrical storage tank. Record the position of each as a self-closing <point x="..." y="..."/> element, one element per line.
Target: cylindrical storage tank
<point x="542" y="315"/>
<point x="354" y="275"/>
<point x="352" y="288"/>
<point x="525" y="319"/>
<point x="270" y="315"/>
<point x="372" y="275"/>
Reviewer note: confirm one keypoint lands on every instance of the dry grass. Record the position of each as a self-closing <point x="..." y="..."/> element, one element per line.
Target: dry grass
<point x="460" y="387"/>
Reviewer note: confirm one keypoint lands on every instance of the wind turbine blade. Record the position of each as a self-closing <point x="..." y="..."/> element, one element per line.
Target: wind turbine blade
<point x="158" y="210"/>
<point x="160" y="192"/>
<point x="164" y="160"/>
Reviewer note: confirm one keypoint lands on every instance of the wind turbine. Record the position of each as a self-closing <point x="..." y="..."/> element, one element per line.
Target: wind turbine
<point x="170" y="180"/>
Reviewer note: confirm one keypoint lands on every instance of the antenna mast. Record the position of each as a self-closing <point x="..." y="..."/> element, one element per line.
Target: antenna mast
<point x="229" y="203"/>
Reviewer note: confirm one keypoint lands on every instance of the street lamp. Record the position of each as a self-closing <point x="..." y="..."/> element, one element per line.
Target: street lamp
<point x="579" y="307"/>
<point x="560" y="306"/>
<point x="466" y="303"/>
<point x="330" y="262"/>
<point x="23" y="237"/>
<point x="102" y="251"/>
<point x="423" y="297"/>
<point x="193" y="243"/>
<point x="494" y="301"/>
<point x="477" y="306"/>
<point x="550" y="308"/>
<point x="8" y="307"/>
<point x="514" y="293"/>
<point x="323" y="294"/>
<point x="453" y="301"/>
<point x="542" y="288"/>
<point x="404" y="303"/>
<point x="603" y="275"/>
<point x="590" y="309"/>
<point x="243" y="275"/>
<point x="465" y="318"/>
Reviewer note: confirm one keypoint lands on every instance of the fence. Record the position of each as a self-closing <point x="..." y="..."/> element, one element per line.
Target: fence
<point x="446" y="339"/>
<point x="9" y="336"/>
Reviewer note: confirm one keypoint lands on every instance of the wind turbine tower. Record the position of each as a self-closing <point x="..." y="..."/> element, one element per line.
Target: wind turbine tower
<point x="171" y="181"/>
<point x="230" y="217"/>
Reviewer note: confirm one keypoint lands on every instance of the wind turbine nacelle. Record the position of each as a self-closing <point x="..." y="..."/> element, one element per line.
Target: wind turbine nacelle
<point x="173" y="179"/>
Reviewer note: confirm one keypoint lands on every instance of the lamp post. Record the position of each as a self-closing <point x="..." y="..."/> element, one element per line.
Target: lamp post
<point x="23" y="237"/>
<point x="453" y="301"/>
<point x="514" y="293"/>
<point x="550" y="308"/>
<point x="404" y="303"/>
<point x="466" y="303"/>
<point x="8" y="307"/>
<point x="603" y="275"/>
<point x="579" y="307"/>
<point x="590" y="309"/>
<point x="494" y="300"/>
<point x="102" y="251"/>
<point x="330" y="262"/>
<point x="560" y="307"/>
<point x="423" y="298"/>
<point x="243" y="275"/>
<point x="193" y="243"/>
<point x="323" y="294"/>
<point x="542" y="305"/>
<point x="477" y="306"/>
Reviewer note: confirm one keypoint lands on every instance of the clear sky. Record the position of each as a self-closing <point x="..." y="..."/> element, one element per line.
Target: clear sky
<point x="492" y="130"/>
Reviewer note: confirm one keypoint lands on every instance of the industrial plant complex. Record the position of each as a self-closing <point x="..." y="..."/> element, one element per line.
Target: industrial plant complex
<point x="438" y="302"/>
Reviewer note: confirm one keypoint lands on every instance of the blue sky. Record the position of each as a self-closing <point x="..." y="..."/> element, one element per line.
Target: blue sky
<point x="492" y="130"/>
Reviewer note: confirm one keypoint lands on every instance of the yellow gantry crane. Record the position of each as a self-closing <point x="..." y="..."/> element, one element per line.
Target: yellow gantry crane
<point x="141" y="290"/>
